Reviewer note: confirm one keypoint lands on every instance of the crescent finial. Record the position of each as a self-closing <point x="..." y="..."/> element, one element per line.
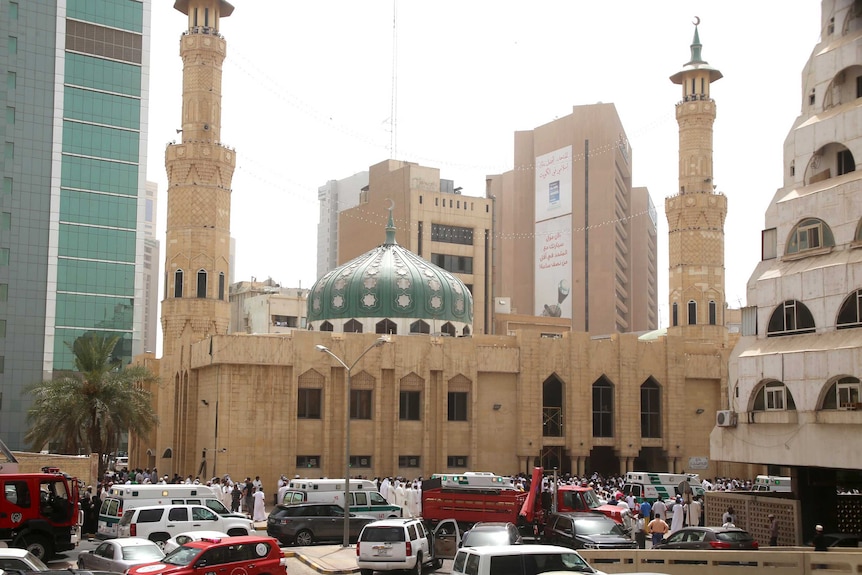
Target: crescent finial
<point x="391" y="203"/>
<point x="696" y="20"/>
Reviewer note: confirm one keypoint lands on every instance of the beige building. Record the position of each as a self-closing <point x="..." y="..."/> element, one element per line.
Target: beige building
<point x="266" y="307"/>
<point x="593" y="255"/>
<point x="420" y="402"/>
<point x="432" y="220"/>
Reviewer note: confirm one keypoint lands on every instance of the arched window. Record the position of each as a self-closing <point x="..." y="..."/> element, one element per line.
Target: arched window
<point x="353" y="326"/>
<point x="178" y="283"/>
<point x="202" y="283"/>
<point x="326" y="326"/>
<point x="692" y="312"/>
<point x="675" y="314"/>
<point x="448" y="329"/>
<point x="603" y="408"/>
<point x="712" y="312"/>
<point x="650" y="409"/>
<point x="386" y="326"/>
<point x="790" y="318"/>
<point x="809" y="234"/>
<point x="843" y="394"/>
<point x="850" y="313"/>
<point x="221" y="286"/>
<point x="420" y="326"/>
<point x="466" y="330"/>
<point x="773" y="396"/>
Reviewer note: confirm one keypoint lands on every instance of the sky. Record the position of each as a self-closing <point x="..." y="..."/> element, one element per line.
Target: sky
<point x="308" y="97"/>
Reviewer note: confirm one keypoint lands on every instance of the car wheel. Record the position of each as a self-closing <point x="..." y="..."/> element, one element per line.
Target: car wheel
<point x="417" y="569"/>
<point x="304" y="538"/>
<point x="366" y="572"/>
<point x="40" y="546"/>
<point x="159" y="539"/>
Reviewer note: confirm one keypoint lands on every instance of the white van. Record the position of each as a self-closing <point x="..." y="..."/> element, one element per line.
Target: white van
<point x="519" y="560"/>
<point x="364" y="497"/>
<point x="645" y="485"/>
<point x="161" y="522"/>
<point x="121" y="498"/>
<point x="777" y="483"/>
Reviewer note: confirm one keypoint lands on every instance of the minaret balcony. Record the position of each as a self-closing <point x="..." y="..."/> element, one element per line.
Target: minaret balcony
<point x="203" y="30"/>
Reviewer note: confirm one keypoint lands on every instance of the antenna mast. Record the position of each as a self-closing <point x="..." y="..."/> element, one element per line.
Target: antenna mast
<point x="393" y="111"/>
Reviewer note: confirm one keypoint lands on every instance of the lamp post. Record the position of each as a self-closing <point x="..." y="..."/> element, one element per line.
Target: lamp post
<point x="322" y="348"/>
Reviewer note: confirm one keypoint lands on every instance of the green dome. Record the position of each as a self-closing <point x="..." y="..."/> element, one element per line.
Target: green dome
<point x="390" y="283"/>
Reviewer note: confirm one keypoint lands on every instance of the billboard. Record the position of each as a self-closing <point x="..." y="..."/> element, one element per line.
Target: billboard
<point x="553" y="234"/>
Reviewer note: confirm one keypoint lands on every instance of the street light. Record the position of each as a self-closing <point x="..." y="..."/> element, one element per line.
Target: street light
<point x="377" y="343"/>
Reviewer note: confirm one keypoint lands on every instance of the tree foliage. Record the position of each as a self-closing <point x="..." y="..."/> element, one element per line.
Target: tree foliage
<point x="88" y="409"/>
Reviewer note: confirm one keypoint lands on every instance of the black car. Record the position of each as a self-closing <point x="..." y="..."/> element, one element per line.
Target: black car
<point x="307" y="523"/>
<point x="586" y="531"/>
<point x="709" y="538"/>
<point x="491" y="533"/>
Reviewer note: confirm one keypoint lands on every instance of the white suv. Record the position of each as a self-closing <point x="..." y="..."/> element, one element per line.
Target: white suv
<point x="161" y="522"/>
<point x="397" y="544"/>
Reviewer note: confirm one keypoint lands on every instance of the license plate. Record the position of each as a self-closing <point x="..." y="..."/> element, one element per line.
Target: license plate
<point x="381" y="551"/>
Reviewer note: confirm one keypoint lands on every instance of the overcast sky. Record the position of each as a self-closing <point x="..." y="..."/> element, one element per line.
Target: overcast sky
<point x="308" y="97"/>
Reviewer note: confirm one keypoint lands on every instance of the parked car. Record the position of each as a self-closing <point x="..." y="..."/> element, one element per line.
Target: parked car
<point x="709" y="538"/>
<point x="13" y="558"/>
<point x="586" y="531"/>
<point x="405" y="544"/>
<point x="119" y="554"/>
<point x="491" y="533"/>
<point x="307" y="523"/>
<point x="250" y="555"/>
<point x="161" y="522"/>
<point x="519" y="560"/>
<point x="183" y="538"/>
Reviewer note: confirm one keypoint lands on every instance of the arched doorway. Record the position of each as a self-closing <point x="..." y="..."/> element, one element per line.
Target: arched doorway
<point x="602" y="460"/>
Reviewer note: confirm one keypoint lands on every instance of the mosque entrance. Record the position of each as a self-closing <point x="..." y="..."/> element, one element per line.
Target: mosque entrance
<point x="651" y="459"/>
<point x="602" y="461"/>
<point x="552" y="456"/>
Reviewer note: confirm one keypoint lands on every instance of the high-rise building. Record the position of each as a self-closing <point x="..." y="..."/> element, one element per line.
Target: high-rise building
<point x="573" y="238"/>
<point x="74" y="89"/>
<point x="335" y="196"/>
<point x="152" y="273"/>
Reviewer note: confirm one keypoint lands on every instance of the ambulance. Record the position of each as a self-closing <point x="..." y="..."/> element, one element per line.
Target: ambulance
<point x="775" y="483"/>
<point x="364" y="497"/>
<point x="648" y="486"/>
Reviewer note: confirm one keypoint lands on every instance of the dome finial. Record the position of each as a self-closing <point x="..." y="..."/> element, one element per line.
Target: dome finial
<point x="390" y="226"/>
<point x="696" y="46"/>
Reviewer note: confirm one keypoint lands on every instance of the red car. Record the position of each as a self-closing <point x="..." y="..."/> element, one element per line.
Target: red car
<point x="251" y="555"/>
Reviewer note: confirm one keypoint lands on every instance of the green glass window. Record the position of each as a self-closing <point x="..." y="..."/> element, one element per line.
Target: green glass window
<point x="98" y="209"/>
<point x="2" y="363"/>
<point x="63" y="358"/>
<point x="2" y="328"/>
<point x="99" y="175"/>
<point x="12" y="45"/>
<point x="121" y="14"/>
<point x="90" y="72"/>
<point x="5" y="221"/>
<point x="10" y="115"/>
<point x="78" y="310"/>
<point x="96" y="277"/>
<point x="4" y="292"/>
<point x="9" y="151"/>
<point x="100" y="141"/>
<point x="96" y="243"/>
<point x="13" y="10"/>
<point x="7" y="185"/>
<point x="101" y="108"/>
<point x="11" y="80"/>
<point x="4" y="256"/>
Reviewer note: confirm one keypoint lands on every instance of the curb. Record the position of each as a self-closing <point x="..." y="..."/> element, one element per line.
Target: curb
<point x="317" y="566"/>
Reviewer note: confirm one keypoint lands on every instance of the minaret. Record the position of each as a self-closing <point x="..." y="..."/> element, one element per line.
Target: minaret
<point x="197" y="250"/>
<point x="695" y="216"/>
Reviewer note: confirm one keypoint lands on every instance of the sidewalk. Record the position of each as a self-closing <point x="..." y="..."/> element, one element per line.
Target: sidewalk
<point x="329" y="559"/>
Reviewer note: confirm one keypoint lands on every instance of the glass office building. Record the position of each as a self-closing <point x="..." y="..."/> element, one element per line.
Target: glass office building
<point x="74" y="94"/>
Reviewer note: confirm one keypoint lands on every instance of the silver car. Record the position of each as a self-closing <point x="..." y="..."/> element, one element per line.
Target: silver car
<point x="119" y="554"/>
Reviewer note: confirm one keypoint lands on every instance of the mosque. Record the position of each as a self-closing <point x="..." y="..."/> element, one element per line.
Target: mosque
<point x="370" y="388"/>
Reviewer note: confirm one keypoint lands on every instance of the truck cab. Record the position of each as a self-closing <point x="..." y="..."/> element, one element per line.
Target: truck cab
<point x="39" y="512"/>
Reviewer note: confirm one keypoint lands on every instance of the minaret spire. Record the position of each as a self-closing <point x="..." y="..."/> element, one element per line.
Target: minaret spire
<point x="696" y="215"/>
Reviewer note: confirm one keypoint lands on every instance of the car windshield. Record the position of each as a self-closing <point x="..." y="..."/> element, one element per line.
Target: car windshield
<point x="592" y="499"/>
<point x="479" y="538"/>
<point x="217" y="506"/>
<point x="539" y="563"/>
<point x="182" y="556"/>
<point x="143" y="553"/>
<point x="597" y="526"/>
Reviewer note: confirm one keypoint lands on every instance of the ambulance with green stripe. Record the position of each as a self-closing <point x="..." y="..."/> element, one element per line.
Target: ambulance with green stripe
<point x="648" y="486"/>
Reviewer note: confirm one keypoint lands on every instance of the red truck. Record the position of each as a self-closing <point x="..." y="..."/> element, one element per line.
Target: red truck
<point x="479" y="496"/>
<point x="39" y="512"/>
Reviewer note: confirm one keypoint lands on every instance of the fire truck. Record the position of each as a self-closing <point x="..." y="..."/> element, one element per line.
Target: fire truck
<point x="39" y="511"/>
<point x="481" y="496"/>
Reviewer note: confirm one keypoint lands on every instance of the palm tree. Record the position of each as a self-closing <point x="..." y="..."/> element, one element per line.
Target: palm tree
<point x="89" y="408"/>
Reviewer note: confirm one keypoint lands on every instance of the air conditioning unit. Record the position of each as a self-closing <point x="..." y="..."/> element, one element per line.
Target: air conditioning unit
<point x="725" y="418"/>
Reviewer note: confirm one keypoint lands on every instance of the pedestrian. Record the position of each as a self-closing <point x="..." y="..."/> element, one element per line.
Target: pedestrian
<point x="247" y="494"/>
<point x="646" y="510"/>
<point x="658" y="528"/>
<point x="773" y="530"/>
<point x="235" y="497"/>
<point x="259" y="513"/>
<point x="659" y="508"/>
<point x="641" y="530"/>
<point x="729" y="518"/>
<point x="678" y="519"/>
<point x="694" y="512"/>
<point x="819" y="540"/>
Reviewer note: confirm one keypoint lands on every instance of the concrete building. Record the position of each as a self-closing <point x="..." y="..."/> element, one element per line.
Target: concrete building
<point x="421" y="402"/>
<point x="432" y="220"/>
<point x="335" y="196"/>
<point x="72" y="247"/>
<point x="266" y="307"/>
<point x="152" y="259"/>
<point x="794" y="396"/>
<point x="593" y="255"/>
